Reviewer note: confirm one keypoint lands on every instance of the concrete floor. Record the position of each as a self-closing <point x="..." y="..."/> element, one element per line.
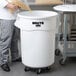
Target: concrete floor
<point x="17" y="69"/>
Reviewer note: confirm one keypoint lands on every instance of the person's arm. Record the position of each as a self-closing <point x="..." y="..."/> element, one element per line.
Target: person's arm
<point x="3" y="3"/>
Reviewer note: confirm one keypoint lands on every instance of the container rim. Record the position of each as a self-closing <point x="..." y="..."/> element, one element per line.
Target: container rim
<point x="37" y="14"/>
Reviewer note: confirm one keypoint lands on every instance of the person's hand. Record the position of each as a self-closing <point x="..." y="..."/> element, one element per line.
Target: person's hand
<point x="12" y="6"/>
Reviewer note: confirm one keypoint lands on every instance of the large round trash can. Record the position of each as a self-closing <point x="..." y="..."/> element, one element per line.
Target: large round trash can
<point x="37" y="37"/>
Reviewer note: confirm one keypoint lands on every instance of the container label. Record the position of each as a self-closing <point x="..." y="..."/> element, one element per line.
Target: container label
<point x="38" y="24"/>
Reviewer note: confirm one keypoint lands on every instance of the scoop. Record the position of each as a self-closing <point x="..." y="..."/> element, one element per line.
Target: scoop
<point x="20" y="4"/>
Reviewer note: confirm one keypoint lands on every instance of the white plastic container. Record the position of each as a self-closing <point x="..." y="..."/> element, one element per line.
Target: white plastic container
<point x="37" y="37"/>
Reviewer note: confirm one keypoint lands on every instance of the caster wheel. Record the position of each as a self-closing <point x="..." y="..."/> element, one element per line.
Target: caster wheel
<point x="62" y="62"/>
<point x="57" y="52"/>
<point x="26" y="69"/>
<point x="38" y="71"/>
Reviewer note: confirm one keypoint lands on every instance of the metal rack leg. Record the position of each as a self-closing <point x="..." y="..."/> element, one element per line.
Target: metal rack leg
<point x="62" y="61"/>
<point x="65" y="36"/>
<point x="57" y="51"/>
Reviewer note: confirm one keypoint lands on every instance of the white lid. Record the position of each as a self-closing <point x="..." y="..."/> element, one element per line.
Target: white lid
<point x="37" y="14"/>
<point x="66" y="8"/>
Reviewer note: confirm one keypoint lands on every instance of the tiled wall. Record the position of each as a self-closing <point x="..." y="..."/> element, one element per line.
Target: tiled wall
<point x="70" y="1"/>
<point x="38" y="7"/>
<point x="31" y="0"/>
<point x="74" y="15"/>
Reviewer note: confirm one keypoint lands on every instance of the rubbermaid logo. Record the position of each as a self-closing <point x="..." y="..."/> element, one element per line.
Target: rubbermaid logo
<point x="39" y="23"/>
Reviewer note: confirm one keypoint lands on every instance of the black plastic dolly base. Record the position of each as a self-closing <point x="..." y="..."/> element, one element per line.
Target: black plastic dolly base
<point x="37" y="70"/>
<point x="57" y="52"/>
